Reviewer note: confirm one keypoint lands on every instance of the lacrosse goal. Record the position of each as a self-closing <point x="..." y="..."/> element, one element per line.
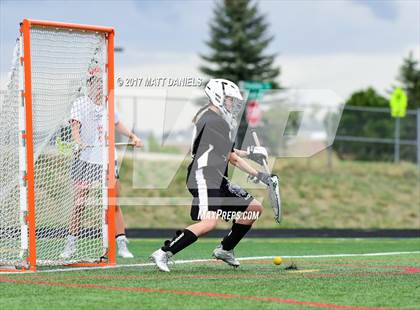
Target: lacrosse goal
<point x="60" y="91"/>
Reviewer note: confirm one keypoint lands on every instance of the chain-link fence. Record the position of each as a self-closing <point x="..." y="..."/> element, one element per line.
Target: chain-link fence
<point x="364" y="133"/>
<point x="367" y="133"/>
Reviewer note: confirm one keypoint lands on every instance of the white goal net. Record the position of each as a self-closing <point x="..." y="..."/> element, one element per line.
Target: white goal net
<point x="69" y="121"/>
<point x="10" y="227"/>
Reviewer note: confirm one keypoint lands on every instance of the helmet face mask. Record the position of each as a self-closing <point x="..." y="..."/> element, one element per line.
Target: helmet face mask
<point x="95" y="88"/>
<point x="226" y="96"/>
<point x="232" y="111"/>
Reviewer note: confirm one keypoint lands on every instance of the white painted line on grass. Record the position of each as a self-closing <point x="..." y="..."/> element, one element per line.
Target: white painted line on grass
<point x="334" y="255"/>
<point x="191" y="261"/>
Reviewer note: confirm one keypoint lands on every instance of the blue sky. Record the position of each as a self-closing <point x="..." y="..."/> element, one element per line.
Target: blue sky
<point x="342" y="45"/>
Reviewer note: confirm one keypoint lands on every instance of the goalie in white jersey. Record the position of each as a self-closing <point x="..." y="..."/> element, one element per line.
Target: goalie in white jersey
<point x="87" y="119"/>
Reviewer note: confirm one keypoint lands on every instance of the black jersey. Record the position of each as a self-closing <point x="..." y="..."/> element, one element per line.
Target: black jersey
<point x="211" y="147"/>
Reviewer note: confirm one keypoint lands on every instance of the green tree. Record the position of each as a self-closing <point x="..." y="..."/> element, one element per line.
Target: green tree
<point x="238" y="39"/>
<point x="365" y="124"/>
<point x="367" y="98"/>
<point x="238" y="42"/>
<point x="409" y="77"/>
<point x="372" y="125"/>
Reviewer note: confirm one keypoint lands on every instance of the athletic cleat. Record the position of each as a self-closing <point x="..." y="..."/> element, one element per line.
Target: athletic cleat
<point x="69" y="249"/>
<point x="103" y="258"/>
<point x="123" y="248"/>
<point x="161" y="258"/>
<point x="227" y="256"/>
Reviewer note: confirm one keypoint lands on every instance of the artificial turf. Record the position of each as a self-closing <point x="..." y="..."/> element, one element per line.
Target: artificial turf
<point x="389" y="281"/>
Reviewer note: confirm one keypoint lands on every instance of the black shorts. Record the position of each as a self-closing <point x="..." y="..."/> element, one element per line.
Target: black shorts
<point x="227" y="200"/>
<point x="88" y="173"/>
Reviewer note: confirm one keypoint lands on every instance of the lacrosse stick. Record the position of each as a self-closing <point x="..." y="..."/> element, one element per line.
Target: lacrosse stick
<point x="273" y="187"/>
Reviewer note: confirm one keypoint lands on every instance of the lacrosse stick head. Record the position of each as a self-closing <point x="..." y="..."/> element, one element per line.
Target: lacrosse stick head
<point x="275" y="200"/>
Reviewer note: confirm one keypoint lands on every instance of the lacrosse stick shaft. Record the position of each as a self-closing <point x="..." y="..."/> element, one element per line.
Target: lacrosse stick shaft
<point x="257" y="143"/>
<point x="123" y="144"/>
<point x="116" y="144"/>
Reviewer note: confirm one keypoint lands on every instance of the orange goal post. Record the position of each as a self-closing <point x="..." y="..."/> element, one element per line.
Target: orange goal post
<point x="57" y="148"/>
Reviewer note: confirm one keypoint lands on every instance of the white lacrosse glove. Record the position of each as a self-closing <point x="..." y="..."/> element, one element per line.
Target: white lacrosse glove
<point x="257" y="154"/>
<point x="78" y="147"/>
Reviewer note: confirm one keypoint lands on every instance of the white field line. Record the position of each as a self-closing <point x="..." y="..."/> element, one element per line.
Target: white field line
<point x="191" y="261"/>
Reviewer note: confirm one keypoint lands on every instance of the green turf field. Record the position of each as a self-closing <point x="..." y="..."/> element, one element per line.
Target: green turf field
<point x="352" y="282"/>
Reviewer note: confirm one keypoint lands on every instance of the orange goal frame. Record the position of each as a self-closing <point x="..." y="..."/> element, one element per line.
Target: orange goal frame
<point x="28" y="137"/>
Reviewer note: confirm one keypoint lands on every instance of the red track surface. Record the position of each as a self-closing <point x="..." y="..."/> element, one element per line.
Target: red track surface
<point x="38" y="279"/>
<point x="190" y="293"/>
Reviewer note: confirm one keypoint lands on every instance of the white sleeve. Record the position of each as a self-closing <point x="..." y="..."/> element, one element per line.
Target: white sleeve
<point x="116" y="117"/>
<point x="76" y="111"/>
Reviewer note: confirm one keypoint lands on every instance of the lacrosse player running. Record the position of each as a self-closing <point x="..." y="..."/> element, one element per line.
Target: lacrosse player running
<point x="213" y="193"/>
<point x="87" y="115"/>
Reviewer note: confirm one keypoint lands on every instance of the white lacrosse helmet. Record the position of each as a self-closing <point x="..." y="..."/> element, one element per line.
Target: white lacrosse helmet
<point x="219" y="92"/>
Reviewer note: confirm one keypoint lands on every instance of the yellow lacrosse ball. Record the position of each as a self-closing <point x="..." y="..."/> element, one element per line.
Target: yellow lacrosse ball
<point x="277" y="260"/>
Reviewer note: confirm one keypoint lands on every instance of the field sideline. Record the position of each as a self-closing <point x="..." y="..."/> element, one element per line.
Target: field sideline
<point x="332" y="274"/>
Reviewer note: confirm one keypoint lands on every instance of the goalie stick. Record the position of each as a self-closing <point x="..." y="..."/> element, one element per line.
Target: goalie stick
<point x="116" y="144"/>
<point x="67" y="148"/>
<point x="273" y="187"/>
